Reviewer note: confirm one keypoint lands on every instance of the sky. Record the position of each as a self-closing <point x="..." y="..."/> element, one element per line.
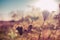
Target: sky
<point x="7" y="6"/>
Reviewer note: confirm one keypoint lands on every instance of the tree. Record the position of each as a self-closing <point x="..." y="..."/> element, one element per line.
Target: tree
<point x="45" y="14"/>
<point x="16" y="15"/>
<point x="57" y="17"/>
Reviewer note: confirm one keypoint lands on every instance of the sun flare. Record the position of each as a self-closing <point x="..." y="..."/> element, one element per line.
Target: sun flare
<point x="49" y="5"/>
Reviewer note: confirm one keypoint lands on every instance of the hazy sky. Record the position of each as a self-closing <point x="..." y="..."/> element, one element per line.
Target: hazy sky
<point x="7" y="6"/>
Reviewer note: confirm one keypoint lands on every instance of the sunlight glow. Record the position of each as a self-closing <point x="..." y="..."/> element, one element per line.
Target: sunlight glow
<point x="49" y="5"/>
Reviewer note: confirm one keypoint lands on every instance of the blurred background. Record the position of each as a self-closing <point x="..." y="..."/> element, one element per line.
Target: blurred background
<point x="29" y="19"/>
